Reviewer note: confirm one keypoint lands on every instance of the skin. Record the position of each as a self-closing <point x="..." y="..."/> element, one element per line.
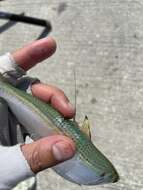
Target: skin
<point x="52" y="150"/>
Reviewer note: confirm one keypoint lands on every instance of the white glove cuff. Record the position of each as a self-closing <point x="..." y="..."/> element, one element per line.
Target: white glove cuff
<point x="9" y="69"/>
<point x="13" y="167"/>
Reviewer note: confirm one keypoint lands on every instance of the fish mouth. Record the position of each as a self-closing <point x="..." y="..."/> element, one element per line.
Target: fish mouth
<point x="76" y="171"/>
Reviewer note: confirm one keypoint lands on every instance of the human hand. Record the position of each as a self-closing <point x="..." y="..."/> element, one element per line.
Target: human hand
<point x="47" y="151"/>
<point x="50" y="150"/>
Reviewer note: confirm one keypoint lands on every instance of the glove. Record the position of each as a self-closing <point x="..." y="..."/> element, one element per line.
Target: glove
<point x="11" y="133"/>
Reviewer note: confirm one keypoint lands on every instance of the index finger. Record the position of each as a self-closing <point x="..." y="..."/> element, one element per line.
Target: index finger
<point x="56" y="97"/>
<point x="34" y="53"/>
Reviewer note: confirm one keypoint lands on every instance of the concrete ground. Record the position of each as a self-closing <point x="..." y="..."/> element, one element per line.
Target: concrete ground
<point x="103" y="40"/>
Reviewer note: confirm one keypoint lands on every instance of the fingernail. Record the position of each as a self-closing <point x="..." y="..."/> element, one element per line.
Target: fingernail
<point x="71" y="106"/>
<point x="62" y="151"/>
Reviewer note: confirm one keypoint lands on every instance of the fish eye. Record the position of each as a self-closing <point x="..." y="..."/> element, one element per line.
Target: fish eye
<point x="103" y="174"/>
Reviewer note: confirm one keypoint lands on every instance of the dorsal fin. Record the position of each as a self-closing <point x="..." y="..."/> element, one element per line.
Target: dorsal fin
<point x="85" y="127"/>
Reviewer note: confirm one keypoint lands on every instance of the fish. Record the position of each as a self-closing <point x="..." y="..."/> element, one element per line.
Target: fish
<point x="88" y="166"/>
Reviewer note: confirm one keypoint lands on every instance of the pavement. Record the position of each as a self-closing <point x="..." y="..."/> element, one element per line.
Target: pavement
<point x="102" y="41"/>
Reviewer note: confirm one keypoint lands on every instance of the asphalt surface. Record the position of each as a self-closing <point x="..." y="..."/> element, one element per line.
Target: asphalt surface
<point x="103" y="41"/>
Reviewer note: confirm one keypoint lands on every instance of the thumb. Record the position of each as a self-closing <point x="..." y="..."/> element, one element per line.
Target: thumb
<point x="48" y="152"/>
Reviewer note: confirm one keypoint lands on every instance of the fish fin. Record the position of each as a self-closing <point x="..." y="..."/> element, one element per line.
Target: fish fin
<point x="85" y="127"/>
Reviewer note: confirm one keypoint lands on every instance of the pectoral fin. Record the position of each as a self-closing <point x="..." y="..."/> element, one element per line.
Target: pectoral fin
<point x="85" y="127"/>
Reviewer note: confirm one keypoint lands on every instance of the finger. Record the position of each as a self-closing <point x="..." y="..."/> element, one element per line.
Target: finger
<point x="34" y="53"/>
<point x="48" y="152"/>
<point x="54" y="96"/>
